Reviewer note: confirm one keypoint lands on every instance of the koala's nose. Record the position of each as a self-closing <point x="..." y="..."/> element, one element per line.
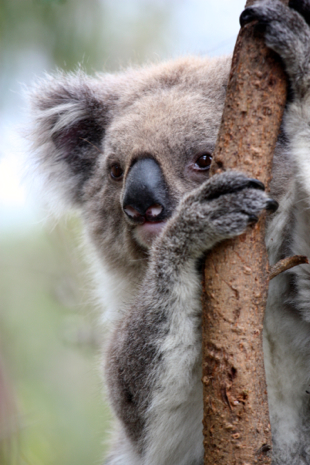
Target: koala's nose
<point x="146" y="192"/>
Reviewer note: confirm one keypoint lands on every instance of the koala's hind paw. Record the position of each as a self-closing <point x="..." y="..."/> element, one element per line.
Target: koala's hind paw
<point x="288" y="34"/>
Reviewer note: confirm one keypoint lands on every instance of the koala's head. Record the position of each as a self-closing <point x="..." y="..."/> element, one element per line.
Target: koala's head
<point x="124" y="148"/>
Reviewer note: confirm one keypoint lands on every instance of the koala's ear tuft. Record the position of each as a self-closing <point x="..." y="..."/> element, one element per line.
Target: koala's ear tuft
<point x="69" y="115"/>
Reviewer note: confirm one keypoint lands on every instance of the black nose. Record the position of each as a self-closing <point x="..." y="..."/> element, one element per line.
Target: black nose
<point x="146" y="192"/>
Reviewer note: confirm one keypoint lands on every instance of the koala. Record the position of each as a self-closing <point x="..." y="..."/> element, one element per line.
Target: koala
<point x="131" y="152"/>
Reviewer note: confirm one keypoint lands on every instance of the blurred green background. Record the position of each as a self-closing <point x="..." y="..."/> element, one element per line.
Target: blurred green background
<point x="52" y="409"/>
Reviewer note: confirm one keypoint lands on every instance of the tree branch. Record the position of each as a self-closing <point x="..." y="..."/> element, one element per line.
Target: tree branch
<point x="236" y="418"/>
<point x="286" y="264"/>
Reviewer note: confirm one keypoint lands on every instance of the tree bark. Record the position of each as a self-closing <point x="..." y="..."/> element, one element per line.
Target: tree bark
<point x="236" y="417"/>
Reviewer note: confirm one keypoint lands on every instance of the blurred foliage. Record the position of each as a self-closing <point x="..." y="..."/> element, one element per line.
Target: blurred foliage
<point x="49" y="342"/>
<point x="92" y="32"/>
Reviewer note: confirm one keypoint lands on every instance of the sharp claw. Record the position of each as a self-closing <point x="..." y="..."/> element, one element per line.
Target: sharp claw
<point x="256" y="184"/>
<point x="272" y="205"/>
<point x="253" y="219"/>
<point x="247" y="16"/>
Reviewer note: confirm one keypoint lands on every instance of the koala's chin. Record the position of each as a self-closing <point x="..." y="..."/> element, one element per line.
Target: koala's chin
<point x="147" y="232"/>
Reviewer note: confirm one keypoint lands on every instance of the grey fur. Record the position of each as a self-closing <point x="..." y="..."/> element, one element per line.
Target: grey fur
<point x="171" y="113"/>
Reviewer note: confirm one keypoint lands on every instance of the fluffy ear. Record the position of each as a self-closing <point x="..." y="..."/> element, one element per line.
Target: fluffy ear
<point x="69" y="116"/>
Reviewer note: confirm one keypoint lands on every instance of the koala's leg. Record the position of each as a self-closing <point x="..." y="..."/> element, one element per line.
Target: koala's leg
<point x="154" y="359"/>
<point x="287" y="322"/>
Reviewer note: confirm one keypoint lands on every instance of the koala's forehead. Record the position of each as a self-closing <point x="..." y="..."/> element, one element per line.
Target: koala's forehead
<point x="167" y="119"/>
<point x="159" y="122"/>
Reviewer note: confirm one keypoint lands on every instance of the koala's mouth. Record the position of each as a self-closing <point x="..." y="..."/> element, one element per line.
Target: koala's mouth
<point x="146" y="232"/>
<point x="148" y="224"/>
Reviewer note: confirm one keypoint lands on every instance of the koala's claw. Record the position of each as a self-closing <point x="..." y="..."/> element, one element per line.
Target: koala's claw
<point x="265" y="12"/>
<point x="228" y="183"/>
<point x="248" y="15"/>
<point x="272" y="205"/>
<point x="256" y="184"/>
<point x="252" y="219"/>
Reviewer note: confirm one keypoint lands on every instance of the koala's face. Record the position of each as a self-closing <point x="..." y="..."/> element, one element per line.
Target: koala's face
<point x="127" y="150"/>
<point x="153" y="153"/>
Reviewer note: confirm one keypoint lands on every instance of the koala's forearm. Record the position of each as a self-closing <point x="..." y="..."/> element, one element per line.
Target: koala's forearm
<point x="157" y="339"/>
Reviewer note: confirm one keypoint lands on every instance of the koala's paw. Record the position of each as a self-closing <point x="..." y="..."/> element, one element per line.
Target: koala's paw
<point x="223" y="207"/>
<point x="288" y="34"/>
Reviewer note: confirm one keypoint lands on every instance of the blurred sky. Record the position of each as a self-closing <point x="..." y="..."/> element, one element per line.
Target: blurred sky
<point x="106" y="35"/>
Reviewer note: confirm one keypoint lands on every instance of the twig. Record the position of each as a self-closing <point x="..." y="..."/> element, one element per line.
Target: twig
<point x="286" y="264"/>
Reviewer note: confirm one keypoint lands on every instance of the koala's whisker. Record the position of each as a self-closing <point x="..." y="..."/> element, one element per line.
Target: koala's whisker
<point x="90" y="143"/>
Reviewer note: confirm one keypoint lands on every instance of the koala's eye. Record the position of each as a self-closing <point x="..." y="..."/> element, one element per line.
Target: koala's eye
<point x="116" y="172"/>
<point x="204" y="161"/>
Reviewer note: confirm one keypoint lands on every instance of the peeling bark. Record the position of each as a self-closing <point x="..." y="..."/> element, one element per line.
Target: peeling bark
<point x="236" y="418"/>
